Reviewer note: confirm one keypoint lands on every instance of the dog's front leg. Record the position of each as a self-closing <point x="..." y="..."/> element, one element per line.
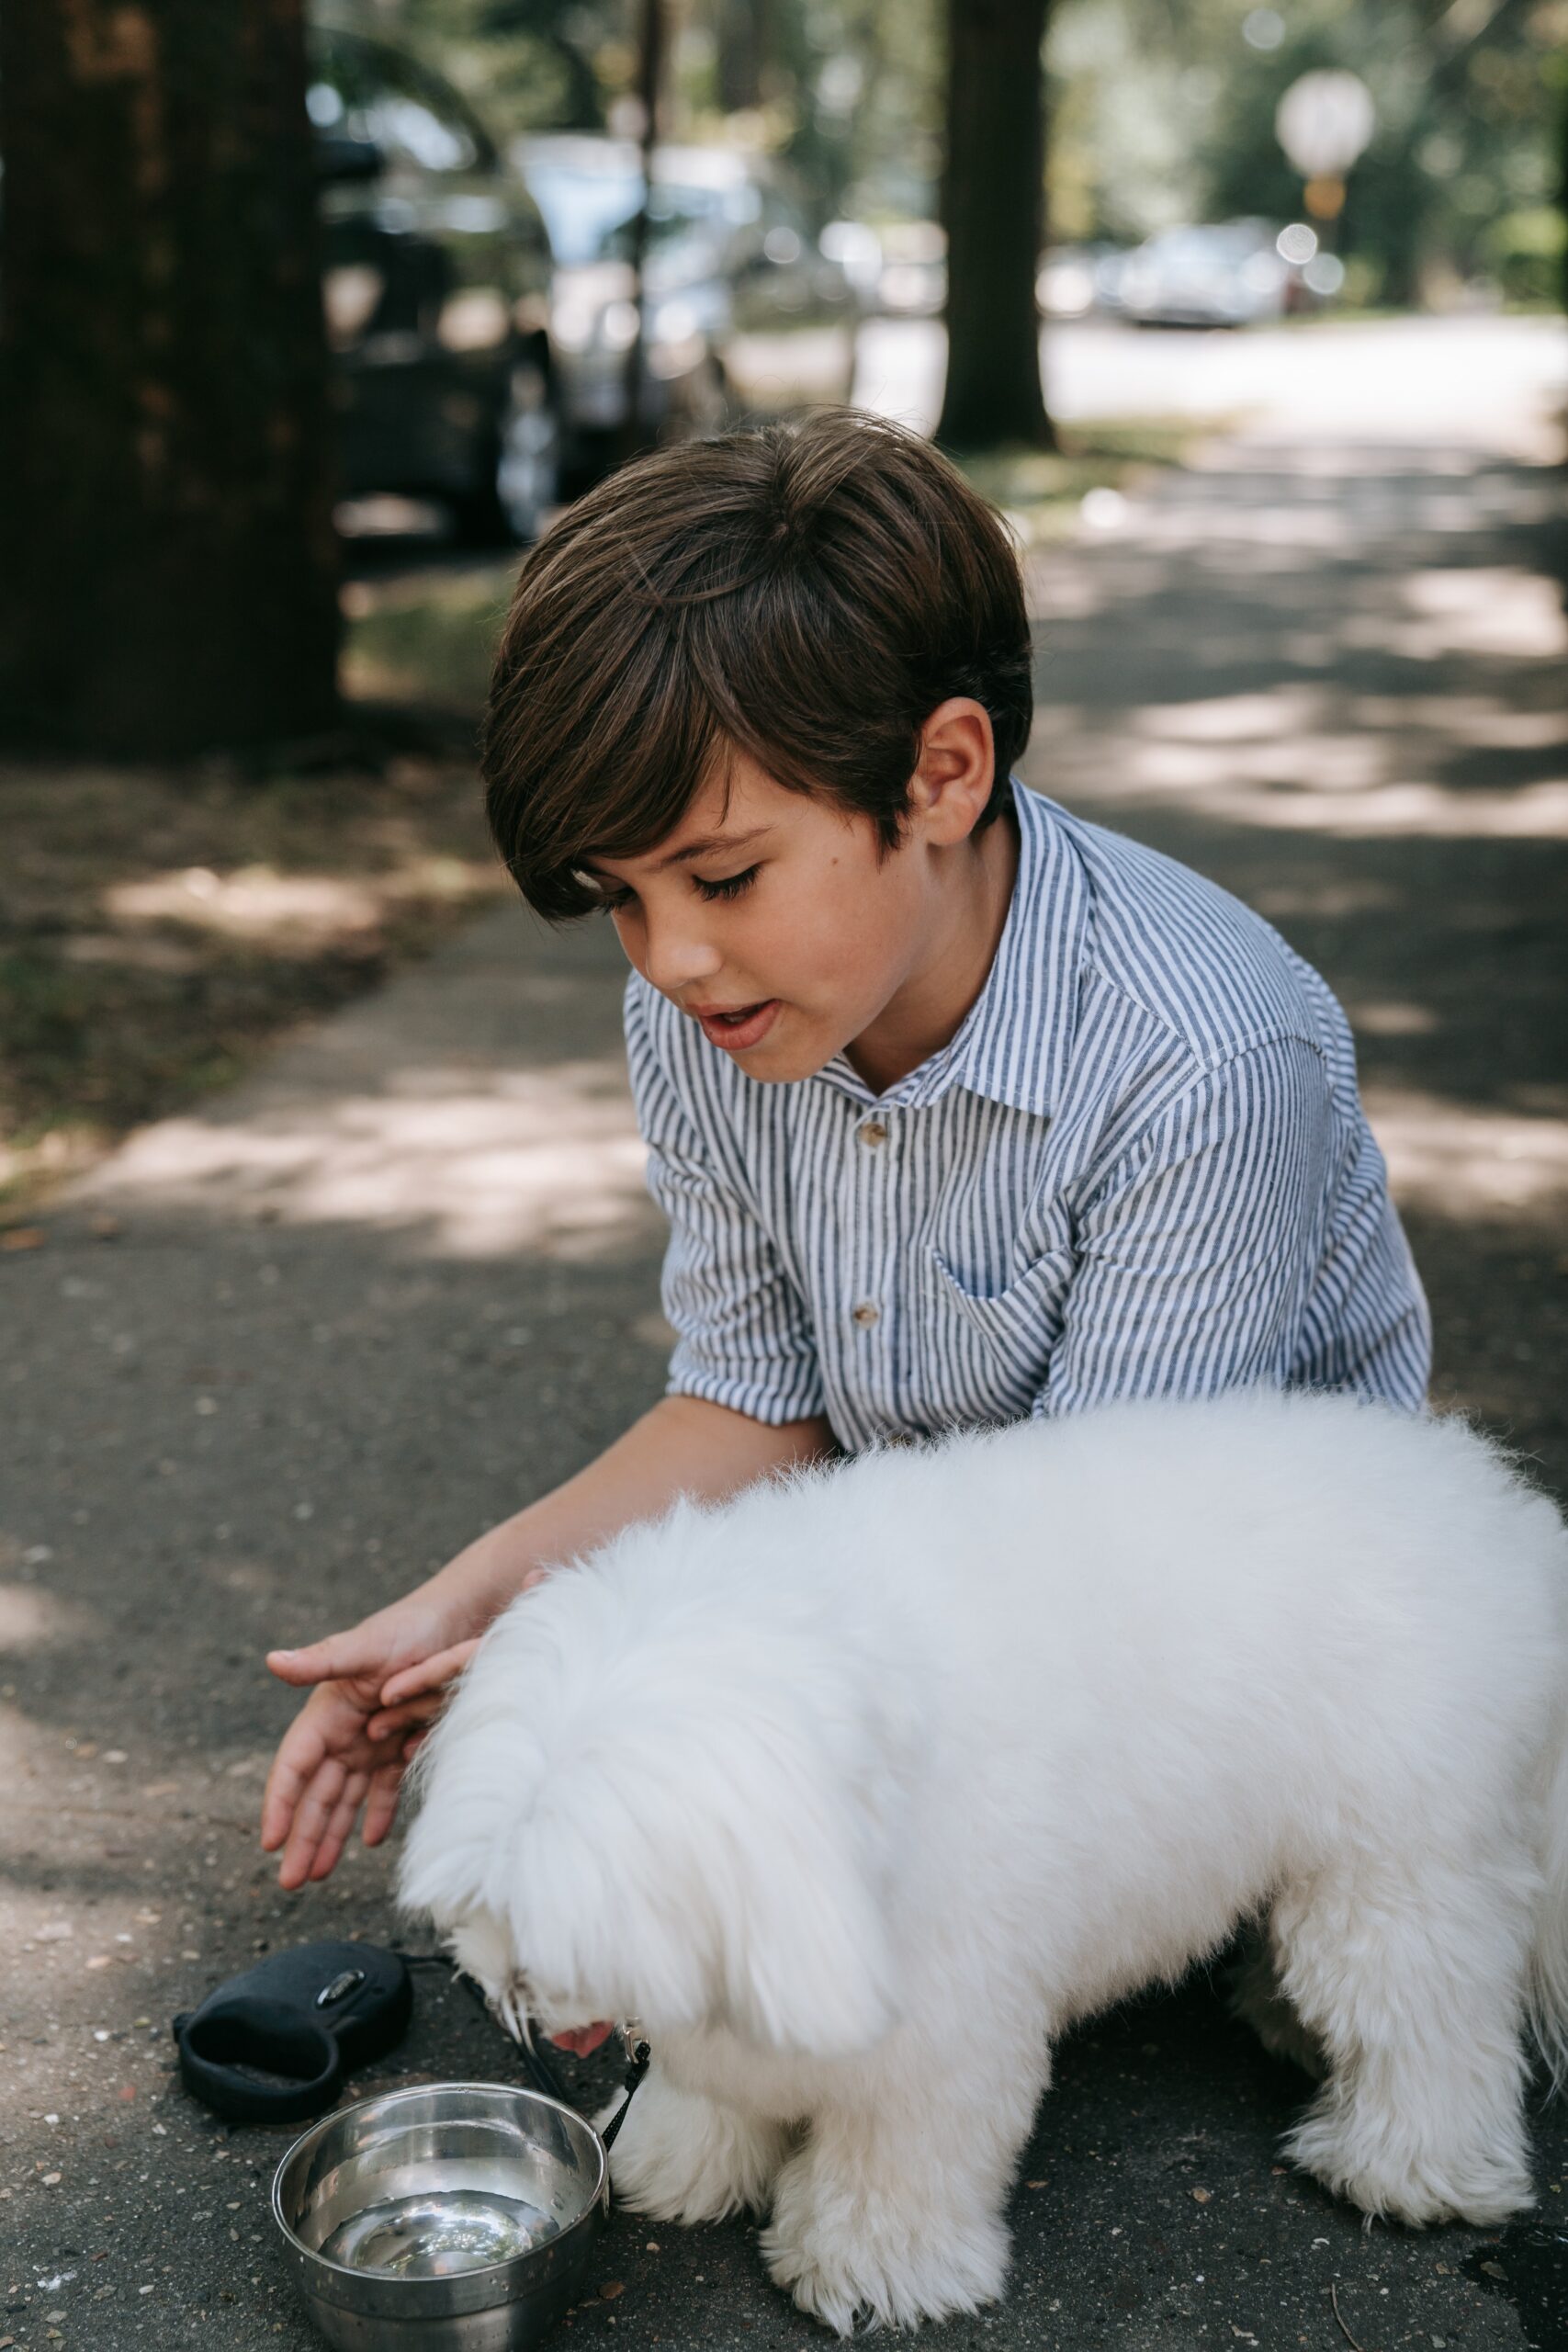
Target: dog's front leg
<point x="893" y="2208"/>
<point x="682" y="2156"/>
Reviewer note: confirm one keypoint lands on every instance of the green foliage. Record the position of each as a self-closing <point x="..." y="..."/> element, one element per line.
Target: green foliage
<point x="1164" y="110"/>
<point x="1525" y="250"/>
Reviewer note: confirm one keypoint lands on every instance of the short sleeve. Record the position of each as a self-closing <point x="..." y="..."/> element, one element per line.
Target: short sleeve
<point x="1198" y="1250"/>
<point x="744" y="1335"/>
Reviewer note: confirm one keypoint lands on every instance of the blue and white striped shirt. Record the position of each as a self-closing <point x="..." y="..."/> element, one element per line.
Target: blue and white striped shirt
<point x="1140" y="1168"/>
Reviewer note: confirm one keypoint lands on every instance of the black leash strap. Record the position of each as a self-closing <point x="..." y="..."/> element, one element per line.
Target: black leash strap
<point x="535" y="2065"/>
<point x="639" y="2053"/>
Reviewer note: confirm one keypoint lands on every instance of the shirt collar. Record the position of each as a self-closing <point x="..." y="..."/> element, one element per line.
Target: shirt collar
<point x="1014" y="1044"/>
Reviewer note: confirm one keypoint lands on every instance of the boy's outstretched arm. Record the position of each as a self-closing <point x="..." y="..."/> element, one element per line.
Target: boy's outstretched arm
<point x="345" y="1750"/>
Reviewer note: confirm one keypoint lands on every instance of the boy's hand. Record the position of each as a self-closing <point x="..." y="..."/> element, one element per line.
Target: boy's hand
<point x="377" y="1686"/>
<point x="413" y="1693"/>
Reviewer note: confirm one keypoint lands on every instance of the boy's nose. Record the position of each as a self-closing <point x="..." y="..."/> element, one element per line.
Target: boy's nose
<point x="677" y="959"/>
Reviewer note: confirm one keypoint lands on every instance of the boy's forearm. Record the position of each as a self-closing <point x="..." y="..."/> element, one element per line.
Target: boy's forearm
<point x="684" y="1445"/>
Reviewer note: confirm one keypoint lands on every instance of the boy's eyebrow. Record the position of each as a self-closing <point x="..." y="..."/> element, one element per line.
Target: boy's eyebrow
<point x="709" y="842"/>
<point x="705" y="847"/>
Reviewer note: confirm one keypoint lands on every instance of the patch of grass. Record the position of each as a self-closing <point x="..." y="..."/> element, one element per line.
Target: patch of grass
<point x="1041" y="490"/>
<point x="157" y="927"/>
<point x="426" y="638"/>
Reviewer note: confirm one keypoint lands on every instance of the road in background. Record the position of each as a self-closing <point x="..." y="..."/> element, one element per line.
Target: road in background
<point x="1477" y="378"/>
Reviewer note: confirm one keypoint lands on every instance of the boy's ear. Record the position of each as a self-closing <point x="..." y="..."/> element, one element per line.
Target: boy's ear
<point x="955" y="771"/>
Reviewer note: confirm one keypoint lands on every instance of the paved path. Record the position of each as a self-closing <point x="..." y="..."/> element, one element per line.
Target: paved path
<point x="405" y="1276"/>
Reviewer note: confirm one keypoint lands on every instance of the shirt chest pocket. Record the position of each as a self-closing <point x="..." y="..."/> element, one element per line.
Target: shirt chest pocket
<point x="993" y="1349"/>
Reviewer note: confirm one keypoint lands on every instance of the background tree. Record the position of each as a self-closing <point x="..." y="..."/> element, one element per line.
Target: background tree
<point x="741" y="30"/>
<point x="168" y="562"/>
<point x="992" y="208"/>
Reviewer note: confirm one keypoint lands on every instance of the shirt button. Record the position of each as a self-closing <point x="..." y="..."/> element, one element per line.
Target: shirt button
<point x="874" y="1131"/>
<point x="866" y="1314"/>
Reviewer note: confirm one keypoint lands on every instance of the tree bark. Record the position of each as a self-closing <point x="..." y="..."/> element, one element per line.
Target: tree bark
<point x="742" y="41"/>
<point x="167" y="558"/>
<point x="993" y="211"/>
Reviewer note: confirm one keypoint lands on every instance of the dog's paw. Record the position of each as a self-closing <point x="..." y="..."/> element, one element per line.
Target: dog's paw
<point x="851" y="2259"/>
<point x="1420" y="2187"/>
<point x="679" y="2157"/>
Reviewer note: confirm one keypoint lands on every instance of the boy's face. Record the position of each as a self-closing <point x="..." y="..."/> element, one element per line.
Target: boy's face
<point x="777" y="921"/>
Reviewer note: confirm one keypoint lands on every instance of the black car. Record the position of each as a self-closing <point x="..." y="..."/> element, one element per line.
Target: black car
<point x="437" y="294"/>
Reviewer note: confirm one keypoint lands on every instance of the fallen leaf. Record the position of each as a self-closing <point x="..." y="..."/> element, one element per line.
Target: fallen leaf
<point x="1034" y="2184"/>
<point x="23" y="1236"/>
<point x="1202" y="2196"/>
<point x="612" y="2287"/>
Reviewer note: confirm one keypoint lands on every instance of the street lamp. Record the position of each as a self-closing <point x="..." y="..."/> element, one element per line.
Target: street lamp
<point x="1323" y="122"/>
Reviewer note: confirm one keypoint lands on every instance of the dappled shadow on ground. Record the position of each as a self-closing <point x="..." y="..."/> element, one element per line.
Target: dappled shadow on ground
<point x="1374" y="651"/>
<point x="1335" y="681"/>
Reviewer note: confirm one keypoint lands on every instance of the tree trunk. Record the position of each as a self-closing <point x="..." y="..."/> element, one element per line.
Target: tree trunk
<point x="167" y="560"/>
<point x="993" y="209"/>
<point x="636" y="432"/>
<point x="741" y="31"/>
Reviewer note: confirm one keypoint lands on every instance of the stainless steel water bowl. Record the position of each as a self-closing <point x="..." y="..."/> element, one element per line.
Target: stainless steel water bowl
<point x="457" y="2217"/>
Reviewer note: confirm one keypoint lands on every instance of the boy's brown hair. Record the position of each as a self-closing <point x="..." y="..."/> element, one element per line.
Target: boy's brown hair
<point x="808" y="592"/>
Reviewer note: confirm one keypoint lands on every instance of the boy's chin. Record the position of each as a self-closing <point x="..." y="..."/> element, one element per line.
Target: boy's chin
<point x="801" y="1051"/>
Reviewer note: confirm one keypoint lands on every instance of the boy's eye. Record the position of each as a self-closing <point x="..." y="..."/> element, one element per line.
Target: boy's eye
<point x="730" y="887"/>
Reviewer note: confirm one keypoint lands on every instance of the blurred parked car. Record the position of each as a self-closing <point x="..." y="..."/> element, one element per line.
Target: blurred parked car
<point x="1227" y="274"/>
<point x="437" y="294"/>
<point x="1073" y="280"/>
<point x="747" y="317"/>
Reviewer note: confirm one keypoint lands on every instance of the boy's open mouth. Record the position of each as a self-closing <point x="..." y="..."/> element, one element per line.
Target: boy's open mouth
<point x="741" y="1025"/>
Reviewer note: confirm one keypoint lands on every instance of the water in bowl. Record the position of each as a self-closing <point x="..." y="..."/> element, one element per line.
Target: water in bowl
<point x="439" y="2234"/>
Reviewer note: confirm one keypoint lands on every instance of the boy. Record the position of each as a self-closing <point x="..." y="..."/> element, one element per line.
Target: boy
<point x="960" y="1109"/>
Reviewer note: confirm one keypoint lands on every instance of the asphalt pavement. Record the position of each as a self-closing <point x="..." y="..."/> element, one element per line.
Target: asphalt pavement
<point x="279" y="1358"/>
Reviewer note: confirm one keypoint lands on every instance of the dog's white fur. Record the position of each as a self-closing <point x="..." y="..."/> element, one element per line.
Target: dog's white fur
<point x="860" y="1789"/>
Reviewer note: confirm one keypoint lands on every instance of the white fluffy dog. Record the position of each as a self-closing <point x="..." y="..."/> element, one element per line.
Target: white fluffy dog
<point x="860" y="1789"/>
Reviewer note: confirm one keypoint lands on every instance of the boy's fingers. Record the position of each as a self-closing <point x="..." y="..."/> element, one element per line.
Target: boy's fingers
<point x="340" y="1825"/>
<point x="429" y="1673"/>
<point x="316" y="1663"/>
<point x="311" y="1815"/>
<point x="381" y="1804"/>
<point x="388" y="1720"/>
<point x="298" y="1759"/>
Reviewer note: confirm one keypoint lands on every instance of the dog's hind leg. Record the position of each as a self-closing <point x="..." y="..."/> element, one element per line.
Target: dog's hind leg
<point x="681" y="2156"/>
<point x="1256" y="2000"/>
<point x="893" y="2208"/>
<point x="1411" y="1973"/>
